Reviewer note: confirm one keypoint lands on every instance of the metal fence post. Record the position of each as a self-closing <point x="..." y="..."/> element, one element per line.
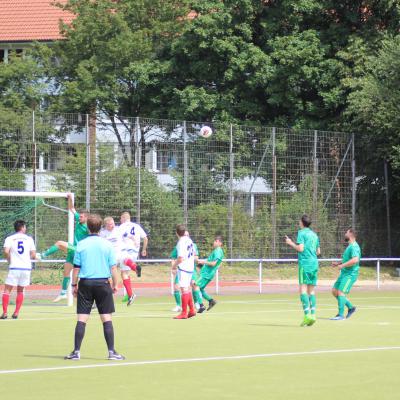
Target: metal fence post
<point x="217" y="282"/>
<point x="315" y="180"/>
<point x="87" y="200"/>
<point x="230" y="209"/>
<point x="378" y="274"/>
<point x="274" y="185"/>
<point x="185" y="175"/>
<point x="260" y="277"/>
<point x="353" y="183"/>
<point x="139" y="166"/>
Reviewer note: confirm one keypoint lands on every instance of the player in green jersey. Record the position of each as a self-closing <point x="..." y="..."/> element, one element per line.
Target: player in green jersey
<point x="208" y="270"/>
<point x="349" y="269"/>
<point x="195" y="291"/>
<point x="308" y="250"/>
<point x="80" y="232"/>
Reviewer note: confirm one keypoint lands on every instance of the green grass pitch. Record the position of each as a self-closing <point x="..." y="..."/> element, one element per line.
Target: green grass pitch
<point x="247" y="347"/>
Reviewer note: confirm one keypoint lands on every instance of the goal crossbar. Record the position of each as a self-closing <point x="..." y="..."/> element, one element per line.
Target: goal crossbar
<point x="20" y="193"/>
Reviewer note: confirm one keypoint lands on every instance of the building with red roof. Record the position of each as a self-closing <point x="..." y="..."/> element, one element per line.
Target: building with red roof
<point x="25" y="21"/>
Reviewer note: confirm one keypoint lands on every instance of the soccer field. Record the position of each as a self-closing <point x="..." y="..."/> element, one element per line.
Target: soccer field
<point x="247" y="347"/>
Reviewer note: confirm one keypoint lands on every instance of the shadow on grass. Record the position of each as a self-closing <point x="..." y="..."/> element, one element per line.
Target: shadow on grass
<point x="58" y="357"/>
<point x="278" y="325"/>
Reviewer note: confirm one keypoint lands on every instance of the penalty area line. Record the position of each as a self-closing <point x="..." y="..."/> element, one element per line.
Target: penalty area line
<point x="200" y="359"/>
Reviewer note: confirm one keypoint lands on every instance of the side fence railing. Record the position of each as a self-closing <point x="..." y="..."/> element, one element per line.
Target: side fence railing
<point x="262" y="266"/>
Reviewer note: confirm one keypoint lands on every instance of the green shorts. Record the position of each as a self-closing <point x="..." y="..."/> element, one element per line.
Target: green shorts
<point x="345" y="282"/>
<point x="202" y="282"/>
<point x="308" y="277"/>
<point x="70" y="256"/>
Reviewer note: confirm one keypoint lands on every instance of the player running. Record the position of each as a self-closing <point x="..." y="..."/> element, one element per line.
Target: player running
<point x="208" y="270"/>
<point x="19" y="250"/>
<point x="132" y="233"/>
<point x="195" y="291"/>
<point x="80" y="232"/>
<point x="349" y="269"/>
<point x="184" y="264"/>
<point x="112" y="233"/>
<point x="308" y="250"/>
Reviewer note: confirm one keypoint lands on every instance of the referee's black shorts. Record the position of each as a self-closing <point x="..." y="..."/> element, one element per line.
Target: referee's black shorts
<point x="95" y="290"/>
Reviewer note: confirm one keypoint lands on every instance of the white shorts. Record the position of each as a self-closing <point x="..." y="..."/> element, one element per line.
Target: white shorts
<point x="184" y="278"/>
<point x="17" y="277"/>
<point x="132" y="254"/>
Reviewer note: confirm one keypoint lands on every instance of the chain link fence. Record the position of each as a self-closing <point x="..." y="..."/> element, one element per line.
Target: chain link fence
<point x="248" y="183"/>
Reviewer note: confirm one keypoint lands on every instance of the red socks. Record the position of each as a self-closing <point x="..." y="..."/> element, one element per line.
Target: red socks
<point x="128" y="287"/>
<point x="185" y="302"/>
<point x="5" y="300"/>
<point x="191" y="304"/>
<point x="130" y="263"/>
<point x="18" y="302"/>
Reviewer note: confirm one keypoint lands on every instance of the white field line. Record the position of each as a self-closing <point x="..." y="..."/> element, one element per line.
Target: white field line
<point x="201" y="359"/>
<point x="214" y="313"/>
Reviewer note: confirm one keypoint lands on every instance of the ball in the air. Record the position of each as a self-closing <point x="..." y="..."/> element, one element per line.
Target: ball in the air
<point x="205" y="131"/>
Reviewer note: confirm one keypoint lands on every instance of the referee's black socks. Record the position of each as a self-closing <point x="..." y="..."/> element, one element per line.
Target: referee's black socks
<point x="79" y="334"/>
<point x="109" y="334"/>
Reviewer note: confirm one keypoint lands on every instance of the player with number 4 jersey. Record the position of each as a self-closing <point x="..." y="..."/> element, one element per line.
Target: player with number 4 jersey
<point x="132" y="234"/>
<point x="19" y="249"/>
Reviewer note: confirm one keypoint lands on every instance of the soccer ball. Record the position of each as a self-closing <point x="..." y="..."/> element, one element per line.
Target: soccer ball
<point x="205" y="131"/>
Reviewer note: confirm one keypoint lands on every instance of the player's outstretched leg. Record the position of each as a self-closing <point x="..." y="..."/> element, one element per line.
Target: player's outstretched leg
<point x="133" y="266"/>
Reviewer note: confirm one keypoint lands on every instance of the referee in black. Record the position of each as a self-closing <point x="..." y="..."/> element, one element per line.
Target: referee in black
<point x="94" y="265"/>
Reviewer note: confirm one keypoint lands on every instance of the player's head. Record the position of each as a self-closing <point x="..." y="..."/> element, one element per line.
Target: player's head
<point x="125" y="217"/>
<point x="83" y="216"/>
<point x="305" y="221"/>
<point x="94" y="223"/>
<point x="350" y="235"/>
<point x="180" y="230"/>
<point x="109" y="223"/>
<point x="218" y="241"/>
<point x="20" y="226"/>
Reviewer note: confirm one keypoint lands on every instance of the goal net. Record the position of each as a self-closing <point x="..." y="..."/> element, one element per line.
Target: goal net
<point x="48" y="220"/>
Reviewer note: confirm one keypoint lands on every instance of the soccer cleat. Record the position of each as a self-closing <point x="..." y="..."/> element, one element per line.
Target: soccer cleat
<point x="351" y="312"/>
<point x="181" y="316"/>
<point x="131" y="300"/>
<point x="3" y="316"/>
<point x="59" y="298"/>
<point x="211" y="304"/>
<point x="14" y="316"/>
<point x="125" y="299"/>
<point x="201" y="309"/>
<point x="113" y="355"/>
<point x="138" y="271"/>
<point x="191" y="314"/>
<point x="312" y="320"/>
<point x="75" y="355"/>
<point x="305" y="321"/>
<point x="177" y="309"/>
<point x="337" y="318"/>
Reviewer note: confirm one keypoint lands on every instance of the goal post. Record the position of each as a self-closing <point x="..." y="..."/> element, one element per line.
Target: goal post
<point x="47" y="222"/>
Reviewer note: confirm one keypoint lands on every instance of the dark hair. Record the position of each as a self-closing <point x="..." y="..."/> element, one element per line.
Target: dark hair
<point x="19" y="224"/>
<point x="86" y="212"/>
<point x="94" y="223"/>
<point x="219" y="237"/>
<point x="306" y="220"/>
<point x="180" y="230"/>
<point x="352" y="231"/>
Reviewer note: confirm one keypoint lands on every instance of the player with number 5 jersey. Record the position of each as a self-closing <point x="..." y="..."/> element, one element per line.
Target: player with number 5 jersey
<point x="19" y="249"/>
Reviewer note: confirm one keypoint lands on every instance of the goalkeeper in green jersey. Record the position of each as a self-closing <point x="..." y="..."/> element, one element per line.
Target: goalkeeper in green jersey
<point x="80" y="232"/>
<point x="307" y="247"/>
<point x="349" y="269"/>
<point x="208" y="270"/>
<point x="177" y="293"/>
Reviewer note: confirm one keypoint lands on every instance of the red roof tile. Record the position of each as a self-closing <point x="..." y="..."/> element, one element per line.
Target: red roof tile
<point x="29" y="20"/>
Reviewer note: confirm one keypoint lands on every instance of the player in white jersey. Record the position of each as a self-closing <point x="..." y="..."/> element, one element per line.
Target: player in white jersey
<point x="19" y="249"/>
<point x="185" y="267"/>
<point x="111" y="233"/>
<point x="132" y="234"/>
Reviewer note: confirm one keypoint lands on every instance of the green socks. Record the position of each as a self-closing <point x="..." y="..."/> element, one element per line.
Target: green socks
<point x="348" y="304"/>
<point x="305" y="301"/>
<point x="177" y="295"/>
<point x="341" y="304"/>
<point x="313" y="303"/>
<point x="205" y="295"/>
<point x="64" y="285"/>
<point x="197" y="296"/>
<point x="50" y="251"/>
